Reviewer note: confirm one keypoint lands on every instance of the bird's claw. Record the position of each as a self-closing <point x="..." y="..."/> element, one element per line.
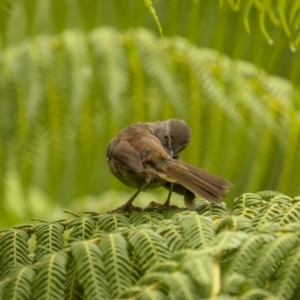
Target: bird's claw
<point x="159" y="205"/>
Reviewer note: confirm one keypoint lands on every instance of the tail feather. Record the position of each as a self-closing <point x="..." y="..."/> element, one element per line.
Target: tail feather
<point x="201" y="182"/>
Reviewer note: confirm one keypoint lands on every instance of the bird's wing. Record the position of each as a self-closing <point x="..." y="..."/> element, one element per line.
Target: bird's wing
<point x="126" y="154"/>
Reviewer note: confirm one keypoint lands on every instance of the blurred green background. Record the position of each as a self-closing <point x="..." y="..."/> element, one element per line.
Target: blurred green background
<point x="75" y="72"/>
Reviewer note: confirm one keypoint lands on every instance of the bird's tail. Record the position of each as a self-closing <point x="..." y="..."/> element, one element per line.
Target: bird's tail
<point x="201" y="182"/>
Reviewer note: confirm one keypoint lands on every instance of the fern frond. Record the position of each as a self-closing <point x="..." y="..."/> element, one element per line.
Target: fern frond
<point x="50" y="277"/>
<point x="78" y="66"/>
<point x="254" y="294"/>
<point x="166" y="266"/>
<point x="113" y="71"/>
<point x="198" y="231"/>
<point x="73" y="291"/>
<point x="290" y="215"/>
<point x="173" y="234"/>
<point x="233" y="283"/>
<point x="268" y="213"/>
<point x="181" y="286"/>
<point x="14" y="250"/>
<point x="3" y="284"/>
<point x="48" y="239"/>
<point x="90" y="270"/>
<point x="20" y="283"/>
<point x="142" y="293"/>
<point x="203" y="269"/>
<point x="174" y="285"/>
<point x="156" y="70"/>
<point x="145" y="218"/>
<point x="82" y="228"/>
<point x="149" y="246"/>
<point x="287" y="277"/>
<point x="282" y="200"/>
<point x="246" y="212"/>
<point x="116" y="261"/>
<point x="234" y="223"/>
<point x="268" y="195"/>
<point x="228" y="240"/>
<point x="110" y="222"/>
<point x="207" y="208"/>
<point x="248" y="200"/>
<point x="291" y="227"/>
<point x="240" y="260"/>
<point x="154" y="280"/>
<point x="270" y="257"/>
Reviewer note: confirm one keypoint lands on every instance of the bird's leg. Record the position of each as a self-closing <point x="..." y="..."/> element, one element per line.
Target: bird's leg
<point x="128" y="205"/>
<point x="167" y="203"/>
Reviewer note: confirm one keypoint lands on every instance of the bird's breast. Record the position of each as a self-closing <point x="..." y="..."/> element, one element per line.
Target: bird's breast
<point x="135" y="179"/>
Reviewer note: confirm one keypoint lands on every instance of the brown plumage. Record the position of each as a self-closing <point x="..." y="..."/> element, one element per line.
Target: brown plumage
<point x="142" y="156"/>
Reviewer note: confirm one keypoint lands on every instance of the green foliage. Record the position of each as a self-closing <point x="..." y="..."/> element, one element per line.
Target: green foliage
<point x="20" y="283"/>
<point x="90" y="270"/>
<point x="263" y="32"/>
<point x="50" y="277"/>
<point x="159" y="255"/>
<point x="48" y="239"/>
<point x="64" y="97"/>
<point x="13" y="256"/>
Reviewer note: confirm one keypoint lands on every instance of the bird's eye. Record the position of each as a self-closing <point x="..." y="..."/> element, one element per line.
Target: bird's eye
<point x="166" y="137"/>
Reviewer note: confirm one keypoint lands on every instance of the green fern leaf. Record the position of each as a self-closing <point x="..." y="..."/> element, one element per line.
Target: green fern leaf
<point x="206" y="208"/>
<point x="200" y="266"/>
<point x="90" y="270"/>
<point x="149" y="246"/>
<point x="113" y="71"/>
<point x="228" y="240"/>
<point x="270" y="257"/>
<point x="268" y="213"/>
<point x="282" y="200"/>
<point x="82" y="228"/>
<point x="173" y="234"/>
<point x="145" y="218"/>
<point x="287" y="276"/>
<point x="110" y="222"/>
<point x="48" y="282"/>
<point x="143" y="293"/>
<point x="234" y="223"/>
<point x="48" y="238"/>
<point x="198" y="231"/>
<point x="241" y="259"/>
<point x="268" y="195"/>
<point x="3" y="284"/>
<point x="247" y="212"/>
<point x="14" y="250"/>
<point x="248" y="200"/>
<point x="154" y="281"/>
<point x="290" y="215"/>
<point x="20" y="284"/>
<point x="116" y="263"/>
<point x="233" y="283"/>
<point x="181" y="286"/>
<point x="254" y="294"/>
<point x="166" y="266"/>
<point x="73" y="291"/>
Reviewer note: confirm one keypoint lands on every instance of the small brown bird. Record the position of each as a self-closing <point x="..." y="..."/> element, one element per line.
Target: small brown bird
<point x="145" y="156"/>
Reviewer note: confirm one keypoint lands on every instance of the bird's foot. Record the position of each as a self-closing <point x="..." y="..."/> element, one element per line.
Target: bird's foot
<point x="127" y="207"/>
<point x="165" y="205"/>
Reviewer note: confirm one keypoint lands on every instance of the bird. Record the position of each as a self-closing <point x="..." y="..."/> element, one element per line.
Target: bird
<point x="145" y="156"/>
<point x="174" y="135"/>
